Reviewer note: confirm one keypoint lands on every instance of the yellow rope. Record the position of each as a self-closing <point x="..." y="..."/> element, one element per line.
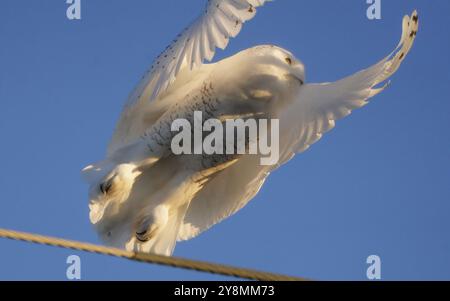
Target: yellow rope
<point x="148" y="258"/>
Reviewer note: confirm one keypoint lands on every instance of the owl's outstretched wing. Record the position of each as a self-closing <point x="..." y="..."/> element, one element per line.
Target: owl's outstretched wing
<point x="314" y="112"/>
<point x="220" y="21"/>
<point x="319" y="106"/>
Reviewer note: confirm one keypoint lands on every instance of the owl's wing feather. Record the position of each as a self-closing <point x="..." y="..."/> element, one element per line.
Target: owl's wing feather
<point x="220" y="21"/>
<point x="319" y="106"/>
<point x="314" y="112"/>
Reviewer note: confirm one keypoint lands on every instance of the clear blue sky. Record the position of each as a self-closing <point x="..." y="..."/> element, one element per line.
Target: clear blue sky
<point x="377" y="184"/>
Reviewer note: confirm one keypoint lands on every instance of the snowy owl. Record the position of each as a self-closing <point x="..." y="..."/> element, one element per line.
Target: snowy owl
<point x="145" y="198"/>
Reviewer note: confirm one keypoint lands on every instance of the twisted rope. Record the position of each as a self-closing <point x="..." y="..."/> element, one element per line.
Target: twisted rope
<point x="175" y="262"/>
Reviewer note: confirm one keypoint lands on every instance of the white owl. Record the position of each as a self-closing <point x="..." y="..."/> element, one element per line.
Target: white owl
<point x="145" y="198"/>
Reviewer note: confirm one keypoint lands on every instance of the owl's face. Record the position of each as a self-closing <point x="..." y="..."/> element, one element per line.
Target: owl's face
<point x="272" y="60"/>
<point x="286" y="63"/>
<point x="267" y="73"/>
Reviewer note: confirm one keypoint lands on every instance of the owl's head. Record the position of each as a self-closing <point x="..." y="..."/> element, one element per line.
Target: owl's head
<point x="278" y="61"/>
<point x="266" y="70"/>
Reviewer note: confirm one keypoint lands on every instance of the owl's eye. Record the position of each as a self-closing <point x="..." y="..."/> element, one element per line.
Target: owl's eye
<point x="105" y="187"/>
<point x="288" y="60"/>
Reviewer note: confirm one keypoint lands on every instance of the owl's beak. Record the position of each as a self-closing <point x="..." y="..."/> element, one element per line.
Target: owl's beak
<point x="297" y="78"/>
<point x="298" y="73"/>
<point x="300" y="80"/>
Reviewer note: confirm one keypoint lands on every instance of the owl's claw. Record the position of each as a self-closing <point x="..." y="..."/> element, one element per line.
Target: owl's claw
<point x="149" y="226"/>
<point x="146" y="235"/>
